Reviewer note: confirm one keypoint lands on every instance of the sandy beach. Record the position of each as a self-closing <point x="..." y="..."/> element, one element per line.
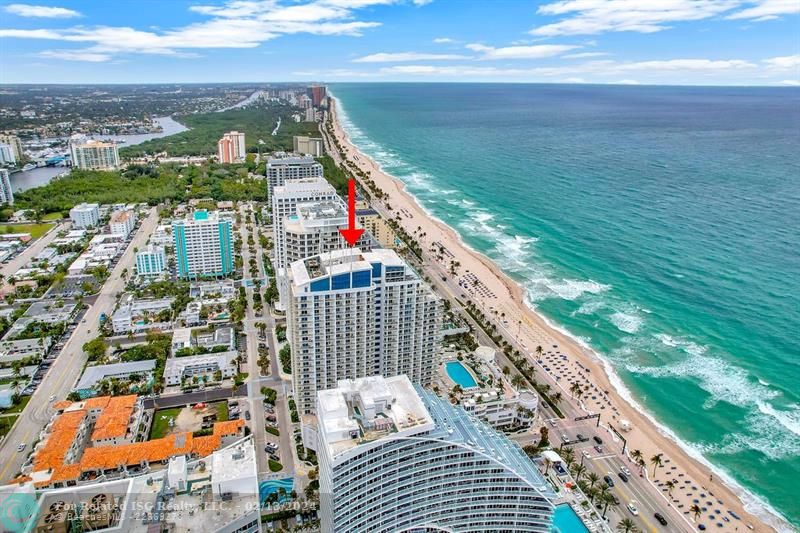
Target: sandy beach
<point x="565" y="362"/>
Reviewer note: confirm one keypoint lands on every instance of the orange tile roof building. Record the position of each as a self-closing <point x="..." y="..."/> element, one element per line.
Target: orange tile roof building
<point x="96" y="437"/>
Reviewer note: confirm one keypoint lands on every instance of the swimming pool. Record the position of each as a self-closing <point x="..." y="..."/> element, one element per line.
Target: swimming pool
<point x="565" y="520"/>
<point x="460" y="374"/>
<point x="265" y="488"/>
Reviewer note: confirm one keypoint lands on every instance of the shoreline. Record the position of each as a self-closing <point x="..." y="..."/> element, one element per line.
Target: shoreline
<point x="503" y="294"/>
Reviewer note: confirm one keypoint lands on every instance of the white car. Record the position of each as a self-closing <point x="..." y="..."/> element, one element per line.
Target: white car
<point x="52" y="398"/>
<point x="21" y="447"/>
<point x="632" y="508"/>
<point x="626" y="471"/>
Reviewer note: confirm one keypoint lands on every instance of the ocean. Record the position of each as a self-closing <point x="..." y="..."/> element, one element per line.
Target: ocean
<point x="658" y="225"/>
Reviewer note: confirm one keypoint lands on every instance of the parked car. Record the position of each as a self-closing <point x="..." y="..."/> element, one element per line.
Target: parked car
<point x="609" y="480"/>
<point x="52" y="398"/>
<point x="597" y="439"/>
<point x="598" y="449"/>
<point x="626" y="471"/>
<point x="623" y="477"/>
<point x="661" y="519"/>
<point x="247" y="415"/>
<point x="21" y="447"/>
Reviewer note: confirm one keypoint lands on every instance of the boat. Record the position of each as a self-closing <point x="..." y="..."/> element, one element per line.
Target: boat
<point x="29" y="166"/>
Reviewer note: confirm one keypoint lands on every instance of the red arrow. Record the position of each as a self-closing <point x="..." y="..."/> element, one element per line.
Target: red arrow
<point x="352" y="233"/>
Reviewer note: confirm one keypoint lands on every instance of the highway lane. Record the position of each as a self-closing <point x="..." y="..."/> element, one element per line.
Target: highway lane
<point x="67" y="368"/>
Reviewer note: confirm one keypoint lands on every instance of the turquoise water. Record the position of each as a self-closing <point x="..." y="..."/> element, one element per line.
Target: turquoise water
<point x="659" y="225"/>
<point x="265" y="488"/>
<point x="460" y="375"/>
<point x="565" y="520"/>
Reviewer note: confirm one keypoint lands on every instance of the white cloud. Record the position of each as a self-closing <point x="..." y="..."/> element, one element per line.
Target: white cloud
<point x="233" y="24"/>
<point x="574" y="80"/>
<point x="791" y="83"/>
<point x="444" y="40"/>
<point x="27" y="10"/>
<point x="593" y="70"/>
<point x="783" y="62"/>
<point x="767" y="10"/>
<point x="76" y="55"/>
<point x="455" y="71"/>
<point x="585" y="55"/>
<point x="520" y="52"/>
<point x="589" y="17"/>
<point x="627" y="82"/>
<point x="398" y="57"/>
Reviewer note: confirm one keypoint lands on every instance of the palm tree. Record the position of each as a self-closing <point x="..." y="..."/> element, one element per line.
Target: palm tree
<point x="575" y="389"/>
<point x="608" y="499"/>
<point x="636" y="455"/>
<point x="591" y="493"/>
<point x="517" y="381"/>
<point x="593" y="478"/>
<point x="556" y="398"/>
<point x="568" y="454"/>
<point x="656" y="462"/>
<point x="626" y="525"/>
<point x="696" y="511"/>
<point x="670" y="487"/>
<point x="506" y="370"/>
<point x="577" y="471"/>
<point x="539" y="350"/>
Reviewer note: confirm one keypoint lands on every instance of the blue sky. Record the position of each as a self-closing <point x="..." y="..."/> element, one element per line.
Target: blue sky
<point x="697" y="42"/>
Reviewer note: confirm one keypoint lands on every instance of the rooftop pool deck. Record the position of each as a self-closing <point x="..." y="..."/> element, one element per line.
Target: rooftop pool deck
<point x="565" y="520"/>
<point x="459" y="373"/>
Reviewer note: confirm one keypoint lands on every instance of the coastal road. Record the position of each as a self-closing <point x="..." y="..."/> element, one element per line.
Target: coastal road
<point x="67" y="368"/>
<point x="8" y="269"/>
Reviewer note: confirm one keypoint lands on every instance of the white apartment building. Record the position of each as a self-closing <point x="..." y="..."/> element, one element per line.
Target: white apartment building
<point x="352" y="314"/>
<point x="140" y="315"/>
<point x="93" y="155"/>
<point x="394" y="457"/>
<point x="85" y="215"/>
<point x="308" y="145"/>
<point x="281" y="170"/>
<point x="231" y="147"/>
<point x="7" y="155"/>
<point x="177" y="368"/>
<point x="151" y="261"/>
<point x="6" y="193"/>
<point x="203" y="245"/>
<point x="122" y="222"/>
<point x="16" y="145"/>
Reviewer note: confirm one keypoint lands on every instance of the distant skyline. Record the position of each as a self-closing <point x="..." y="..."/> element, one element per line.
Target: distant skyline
<point x="682" y="42"/>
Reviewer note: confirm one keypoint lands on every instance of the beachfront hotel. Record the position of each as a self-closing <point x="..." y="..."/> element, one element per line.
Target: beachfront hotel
<point x="394" y="457"/>
<point x="93" y="155"/>
<point x="231" y="147"/>
<point x="285" y="199"/>
<point x="281" y="170"/>
<point x="203" y="245"/>
<point x="352" y="314"/>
